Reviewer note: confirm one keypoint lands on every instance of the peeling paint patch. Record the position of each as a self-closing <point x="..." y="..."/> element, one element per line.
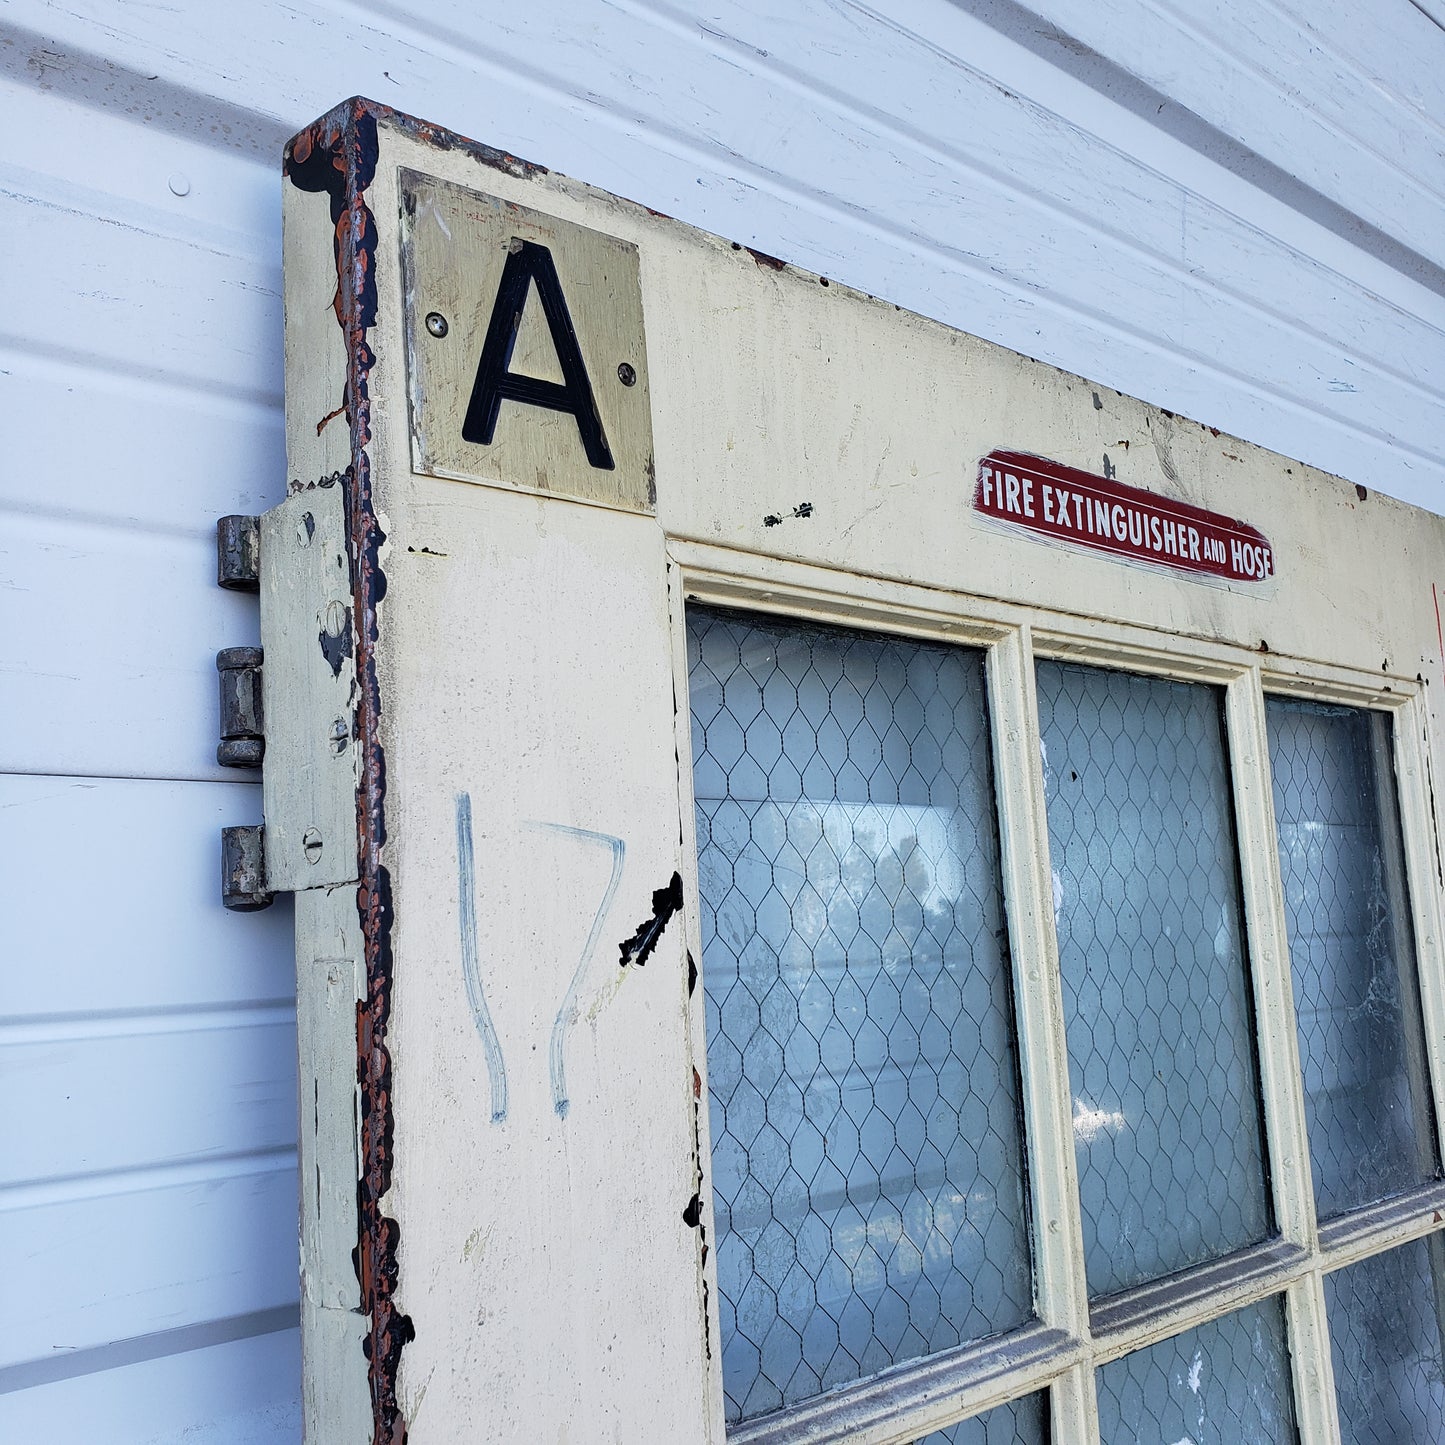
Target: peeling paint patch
<point x="665" y="902"/>
<point x="335" y="636"/>
<point x="775" y="519"/>
<point x="337" y="157"/>
<point x="692" y="1215"/>
<point x="767" y="262"/>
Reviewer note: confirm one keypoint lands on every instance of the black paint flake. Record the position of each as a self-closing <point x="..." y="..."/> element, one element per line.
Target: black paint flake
<point x="665" y="902"/>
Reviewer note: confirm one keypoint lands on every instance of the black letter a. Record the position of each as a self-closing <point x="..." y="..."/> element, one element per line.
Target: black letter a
<point x="496" y="383"/>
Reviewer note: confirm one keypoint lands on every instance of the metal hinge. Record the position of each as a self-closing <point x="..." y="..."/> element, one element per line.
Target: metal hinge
<point x="243" y="869"/>
<point x="238" y="553"/>
<point x="243" y="732"/>
<point x="242" y="724"/>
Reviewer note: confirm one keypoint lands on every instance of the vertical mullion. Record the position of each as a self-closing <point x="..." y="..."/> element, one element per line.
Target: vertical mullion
<point x="1074" y="1406"/>
<point x="1279" y="1062"/>
<point x="1281" y="1080"/>
<point x="714" y="1404"/>
<point x="1424" y="884"/>
<point x="1383" y="763"/>
<point x="1316" y="1409"/>
<point x="1043" y="1055"/>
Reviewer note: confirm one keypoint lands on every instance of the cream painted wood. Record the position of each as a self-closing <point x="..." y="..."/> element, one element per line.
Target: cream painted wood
<point x="525" y="665"/>
<point x="1379" y="1227"/>
<point x="1311" y="1363"/>
<point x="309" y="691"/>
<point x="679" y="594"/>
<point x="531" y="1255"/>
<point x="904" y="1404"/>
<point x="1416" y="745"/>
<point x="498" y="1159"/>
<point x="1063" y="1295"/>
<point x="1281" y="1080"/>
<point x="1074" y="1405"/>
<point x="330" y="981"/>
<point x="318" y="436"/>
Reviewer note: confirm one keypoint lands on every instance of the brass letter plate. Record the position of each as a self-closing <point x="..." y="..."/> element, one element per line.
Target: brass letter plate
<point x="526" y="360"/>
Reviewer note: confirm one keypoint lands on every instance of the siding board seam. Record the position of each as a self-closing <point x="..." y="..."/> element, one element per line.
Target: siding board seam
<point x="29" y="1374"/>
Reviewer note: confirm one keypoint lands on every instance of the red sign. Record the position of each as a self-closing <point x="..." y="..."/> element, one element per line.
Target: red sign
<point x="1073" y="506"/>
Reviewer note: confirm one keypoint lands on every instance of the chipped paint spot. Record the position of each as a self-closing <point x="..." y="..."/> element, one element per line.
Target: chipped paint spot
<point x="337" y="156"/>
<point x="767" y="262"/>
<point x="775" y="519"/>
<point x="665" y="902"/>
<point x="476" y="1243"/>
<point x="335" y="636"/>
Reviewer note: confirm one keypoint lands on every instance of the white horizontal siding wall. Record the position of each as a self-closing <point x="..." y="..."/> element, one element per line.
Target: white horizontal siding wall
<point x="1235" y="209"/>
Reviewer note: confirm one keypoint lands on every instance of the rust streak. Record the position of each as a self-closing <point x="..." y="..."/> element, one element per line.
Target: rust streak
<point x="337" y="156"/>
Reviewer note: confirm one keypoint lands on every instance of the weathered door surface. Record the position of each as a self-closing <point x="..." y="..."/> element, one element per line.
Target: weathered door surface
<point x="846" y="879"/>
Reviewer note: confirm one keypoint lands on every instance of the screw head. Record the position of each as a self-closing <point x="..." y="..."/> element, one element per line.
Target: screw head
<point x="436" y="323"/>
<point x="311" y="845"/>
<point x="627" y="374"/>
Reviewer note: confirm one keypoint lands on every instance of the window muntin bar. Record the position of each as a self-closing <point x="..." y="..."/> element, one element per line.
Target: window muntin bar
<point x="868" y="1178"/>
<point x="1158" y="1007"/>
<point x="1385" y="1338"/>
<point x="1334" y="686"/>
<point x="1371" y="1123"/>
<point x="1225" y="1380"/>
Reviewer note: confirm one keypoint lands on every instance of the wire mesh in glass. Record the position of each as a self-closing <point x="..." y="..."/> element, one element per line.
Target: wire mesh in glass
<point x="1384" y="1315"/>
<point x="1158" y="1006"/>
<point x="1226" y="1381"/>
<point x="1361" y="1039"/>
<point x="1019" y="1422"/>
<point x="868" y="1177"/>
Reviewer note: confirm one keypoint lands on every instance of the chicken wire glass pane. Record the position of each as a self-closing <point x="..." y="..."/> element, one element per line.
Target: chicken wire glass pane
<point x="1385" y="1340"/>
<point x="1227" y="1381"/>
<point x="1020" y="1422"/>
<point x="1361" y="1040"/>
<point x="1157" y="1000"/>
<point x="863" y="1088"/>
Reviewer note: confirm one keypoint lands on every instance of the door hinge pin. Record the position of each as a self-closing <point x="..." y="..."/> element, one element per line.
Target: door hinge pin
<point x="238" y="553"/>
<point x="243" y="732"/>
<point x="243" y="868"/>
